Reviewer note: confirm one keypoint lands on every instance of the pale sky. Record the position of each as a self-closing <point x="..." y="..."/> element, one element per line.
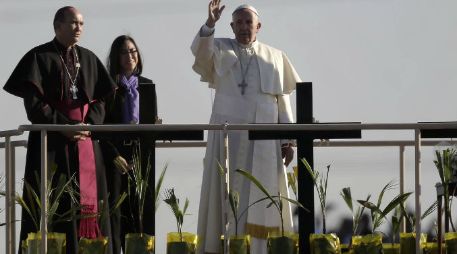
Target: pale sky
<point x="369" y="60"/>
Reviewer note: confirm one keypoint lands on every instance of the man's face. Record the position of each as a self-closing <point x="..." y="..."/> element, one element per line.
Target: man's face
<point x="69" y="31"/>
<point x="245" y="25"/>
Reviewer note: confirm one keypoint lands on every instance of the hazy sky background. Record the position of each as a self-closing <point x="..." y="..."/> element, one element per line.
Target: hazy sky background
<point x="372" y="61"/>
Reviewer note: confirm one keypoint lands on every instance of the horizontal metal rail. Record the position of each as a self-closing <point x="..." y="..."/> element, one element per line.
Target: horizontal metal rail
<point x="279" y="127"/>
<point x="363" y="143"/>
<point x="414" y="127"/>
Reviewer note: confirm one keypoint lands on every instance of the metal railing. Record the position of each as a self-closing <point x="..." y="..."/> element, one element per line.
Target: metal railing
<point x="415" y="127"/>
<point x="10" y="186"/>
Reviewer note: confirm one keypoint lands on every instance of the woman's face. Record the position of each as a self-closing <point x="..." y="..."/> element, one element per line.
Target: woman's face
<point x="129" y="57"/>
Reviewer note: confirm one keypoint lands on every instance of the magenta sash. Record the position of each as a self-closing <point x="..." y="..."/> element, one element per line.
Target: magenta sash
<point x="88" y="224"/>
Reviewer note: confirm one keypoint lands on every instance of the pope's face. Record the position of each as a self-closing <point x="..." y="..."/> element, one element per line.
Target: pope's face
<point x="245" y="25"/>
<point x="129" y="57"/>
<point x="69" y="31"/>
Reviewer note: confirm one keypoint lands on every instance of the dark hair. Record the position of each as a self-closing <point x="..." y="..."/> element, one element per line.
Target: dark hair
<point x="60" y="15"/>
<point x="114" y="58"/>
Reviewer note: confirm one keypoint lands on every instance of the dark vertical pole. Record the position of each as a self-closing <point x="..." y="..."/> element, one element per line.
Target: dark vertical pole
<point x="152" y="182"/>
<point x="305" y="182"/>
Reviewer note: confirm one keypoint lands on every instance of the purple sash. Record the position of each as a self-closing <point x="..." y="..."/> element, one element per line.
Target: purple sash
<point x="88" y="224"/>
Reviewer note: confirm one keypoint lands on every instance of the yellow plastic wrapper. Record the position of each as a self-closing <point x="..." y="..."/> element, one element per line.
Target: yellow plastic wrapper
<point x="324" y="244"/>
<point x="92" y="246"/>
<point x="139" y="244"/>
<point x="432" y="248"/>
<point x="344" y="248"/>
<point x="187" y="246"/>
<point x="282" y="244"/>
<point x="451" y="242"/>
<point x="238" y="244"/>
<point x="408" y="242"/>
<point x="390" y="248"/>
<point x="57" y="243"/>
<point x="367" y="244"/>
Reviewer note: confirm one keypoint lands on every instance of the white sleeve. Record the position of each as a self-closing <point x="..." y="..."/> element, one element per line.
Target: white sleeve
<point x="203" y="49"/>
<point x="206" y="31"/>
<point x="285" y="113"/>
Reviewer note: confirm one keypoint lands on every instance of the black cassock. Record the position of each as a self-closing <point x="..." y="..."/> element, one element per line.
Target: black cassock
<point x="41" y="80"/>
<point x="126" y="220"/>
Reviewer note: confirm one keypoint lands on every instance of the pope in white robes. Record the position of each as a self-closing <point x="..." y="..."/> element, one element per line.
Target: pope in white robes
<point x="253" y="82"/>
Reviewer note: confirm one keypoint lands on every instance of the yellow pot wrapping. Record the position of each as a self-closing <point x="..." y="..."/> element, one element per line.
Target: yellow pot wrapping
<point x="408" y="242"/>
<point x="451" y="242"/>
<point x="432" y="248"/>
<point x="188" y="245"/>
<point x="238" y="238"/>
<point x="390" y="248"/>
<point x="367" y="244"/>
<point x="139" y="243"/>
<point x="324" y="244"/>
<point x="57" y="243"/>
<point x="93" y="246"/>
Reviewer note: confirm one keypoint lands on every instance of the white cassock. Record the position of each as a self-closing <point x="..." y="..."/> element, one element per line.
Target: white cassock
<point x="270" y="78"/>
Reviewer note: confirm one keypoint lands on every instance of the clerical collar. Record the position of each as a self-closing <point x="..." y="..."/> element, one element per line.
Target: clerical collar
<point x="250" y="45"/>
<point x="61" y="47"/>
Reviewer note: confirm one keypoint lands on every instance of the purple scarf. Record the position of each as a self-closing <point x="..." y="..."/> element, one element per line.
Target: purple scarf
<point x="131" y="112"/>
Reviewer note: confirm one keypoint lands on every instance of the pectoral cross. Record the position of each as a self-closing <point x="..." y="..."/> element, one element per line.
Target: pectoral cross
<point x="74" y="91"/>
<point x="243" y="86"/>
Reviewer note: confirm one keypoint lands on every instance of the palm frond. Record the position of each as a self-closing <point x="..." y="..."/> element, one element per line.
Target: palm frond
<point x="158" y="187"/>
<point x="390" y="185"/>
<point x="256" y="182"/>
<point x="347" y="197"/>
<point x="429" y="210"/>
<point x="173" y="202"/>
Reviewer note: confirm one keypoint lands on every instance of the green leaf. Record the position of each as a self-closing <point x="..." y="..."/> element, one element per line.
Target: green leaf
<point x="173" y="202"/>
<point x="158" y="187"/>
<point x="256" y="182"/>
<point x="119" y="201"/>
<point x="221" y="169"/>
<point x="347" y="197"/>
<point x="369" y="205"/>
<point x="390" y="185"/>
<point x="234" y="200"/>
<point x="399" y="199"/>
<point x="430" y="210"/>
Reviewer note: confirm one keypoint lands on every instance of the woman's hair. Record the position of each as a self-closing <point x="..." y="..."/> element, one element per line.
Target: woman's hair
<point x="114" y="58"/>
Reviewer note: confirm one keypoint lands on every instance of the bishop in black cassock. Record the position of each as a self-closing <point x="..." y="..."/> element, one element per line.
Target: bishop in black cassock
<point x="63" y="83"/>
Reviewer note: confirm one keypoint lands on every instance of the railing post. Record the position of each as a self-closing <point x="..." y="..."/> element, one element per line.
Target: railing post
<point x="402" y="182"/>
<point x="226" y="188"/>
<point x="43" y="193"/>
<point x="9" y="199"/>
<point x="417" y="188"/>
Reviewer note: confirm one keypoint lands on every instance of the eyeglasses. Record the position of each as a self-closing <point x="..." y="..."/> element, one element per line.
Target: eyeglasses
<point x="128" y="51"/>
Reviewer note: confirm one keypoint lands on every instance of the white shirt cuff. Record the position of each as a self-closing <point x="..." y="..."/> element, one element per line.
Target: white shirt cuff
<point x="206" y="31"/>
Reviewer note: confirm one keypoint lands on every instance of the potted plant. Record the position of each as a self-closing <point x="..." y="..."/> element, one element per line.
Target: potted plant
<point x="100" y="245"/>
<point x="357" y="215"/>
<point x="140" y="242"/>
<point x="408" y="240"/>
<point x="276" y="244"/>
<point x="179" y="242"/>
<point x="322" y="243"/>
<point x="372" y="243"/>
<point x="56" y="241"/>
<point x="446" y="164"/>
<point x="394" y="247"/>
<point x="237" y="244"/>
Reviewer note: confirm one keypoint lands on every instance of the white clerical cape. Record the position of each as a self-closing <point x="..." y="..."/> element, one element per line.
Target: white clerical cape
<point x="270" y="78"/>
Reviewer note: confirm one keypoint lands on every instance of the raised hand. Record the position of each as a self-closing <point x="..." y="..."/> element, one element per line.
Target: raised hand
<point x="214" y="12"/>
